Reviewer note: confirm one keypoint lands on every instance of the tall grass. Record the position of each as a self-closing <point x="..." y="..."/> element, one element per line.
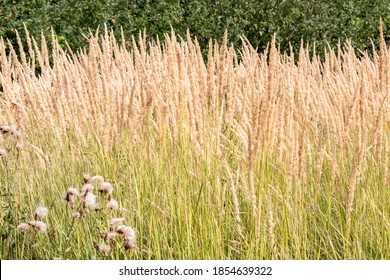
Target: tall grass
<point x="260" y="157"/>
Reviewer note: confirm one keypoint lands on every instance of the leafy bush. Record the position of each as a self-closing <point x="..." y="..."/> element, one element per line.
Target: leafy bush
<point x="315" y="21"/>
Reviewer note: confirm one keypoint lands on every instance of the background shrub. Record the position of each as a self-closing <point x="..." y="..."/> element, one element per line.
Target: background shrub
<point x="315" y="21"/>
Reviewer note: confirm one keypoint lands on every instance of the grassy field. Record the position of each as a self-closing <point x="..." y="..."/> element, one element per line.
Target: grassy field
<point x="241" y="156"/>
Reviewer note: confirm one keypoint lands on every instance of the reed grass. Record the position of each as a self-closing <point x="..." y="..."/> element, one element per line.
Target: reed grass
<point x="242" y="156"/>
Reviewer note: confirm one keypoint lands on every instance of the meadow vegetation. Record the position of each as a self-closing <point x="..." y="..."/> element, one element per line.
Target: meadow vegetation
<point x="240" y="156"/>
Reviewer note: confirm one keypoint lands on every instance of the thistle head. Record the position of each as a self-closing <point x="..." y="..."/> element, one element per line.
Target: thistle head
<point x="129" y="243"/>
<point x="128" y="232"/>
<point x="79" y="214"/>
<point x="23" y="227"/>
<point x="86" y="189"/>
<point x="112" y="204"/>
<point x="3" y="152"/>
<point x="41" y="212"/>
<point x="86" y="178"/>
<point x="97" y="179"/>
<point x="38" y="225"/>
<point x="102" y="248"/>
<point x="4" y="129"/>
<point x="72" y="192"/>
<point x="108" y="236"/>
<point x="90" y="200"/>
<point x="106" y="188"/>
<point x="117" y="222"/>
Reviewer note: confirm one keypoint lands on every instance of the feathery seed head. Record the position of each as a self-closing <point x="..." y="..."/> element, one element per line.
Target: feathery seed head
<point x="38" y="225"/>
<point x="4" y="129"/>
<point x="76" y="215"/>
<point x="79" y="214"/>
<point x="23" y="227"/>
<point x="3" y="152"/>
<point x="86" y="178"/>
<point x="117" y="222"/>
<point x="96" y="207"/>
<point x="12" y="129"/>
<point x="102" y="248"/>
<point x="72" y="191"/>
<point x="108" y="236"/>
<point x="129" y="240"/>
<point x="105" y="188"/>
<point x="18" y="135"/>
<point x="86" y="189"/>
<point x="97" y="179"/>
<point x="112" y="204"/>
<point x="71" y="194"/>
<point x="90" y="200"/>
<point x="129" y="243"/>
<point x="126" y="231"/>
<point x="41" y="212"/>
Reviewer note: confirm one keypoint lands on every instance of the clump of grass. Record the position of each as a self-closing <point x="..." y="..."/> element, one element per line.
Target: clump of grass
<point x="251" y="158"/>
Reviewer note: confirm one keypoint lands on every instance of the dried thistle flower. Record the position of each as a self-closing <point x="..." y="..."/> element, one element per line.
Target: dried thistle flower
<point x="123" y="211"/>
<point x="106" y="188"/>
<point x="86" y="178"/>
<point x="126" y="231"/>
<point x="89" y="200"/>
<point x="80" y="214"/>
<point x="97" y="179"/>
<point x="72" y="191"/>
<point x="12" y="129"/>
<point x="38" y="225"/>
<point x="102" y="248"/>
<point x="41" y="212"/>
<point x="76" y="215"/>
<point x="117" y="222"/>
<point x="108" y="236"/>
<point x="71" y="194"/>
<point x="4" y="129"/>
<point x="129" y="240"/>
<point x="95" y="207"/>
<point x="23" y="227"/>
<point x="17" y="134"/>
<point x="86" y="189"/>
<point x="112" y="204"/>
<point x="3" y="152"/>
<point x="129" y="243"/>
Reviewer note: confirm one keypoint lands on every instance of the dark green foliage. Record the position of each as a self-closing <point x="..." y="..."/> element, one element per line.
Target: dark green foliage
<point x="321" y="22"/>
